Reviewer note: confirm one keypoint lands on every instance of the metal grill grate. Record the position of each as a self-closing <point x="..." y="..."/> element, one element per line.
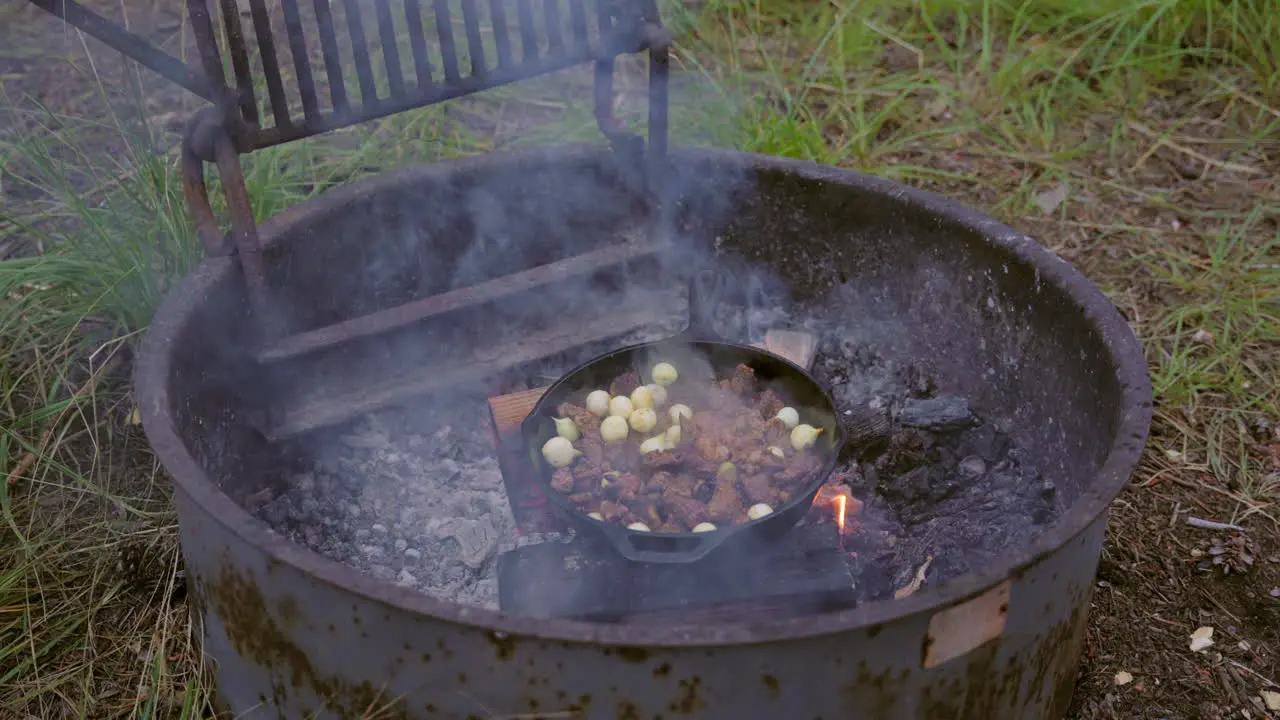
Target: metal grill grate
<point x="287" y="69"/>
<point x="296" y="68"/>
<point x="302" y="68"/>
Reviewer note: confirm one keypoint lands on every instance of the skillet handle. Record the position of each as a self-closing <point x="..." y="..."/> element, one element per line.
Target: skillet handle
<point x="641" y="547"/>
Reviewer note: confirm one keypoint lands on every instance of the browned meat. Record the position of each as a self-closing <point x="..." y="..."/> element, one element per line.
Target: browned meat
<point x="646" y="510"/>
<point x="683" y="485"/>
<point x="798" y="467"/>
<point x="587" y="421"/>
<point x="627" y="487"/>
<point x="768" y="404"/>
<point x="775" y="433"/>
<point x="657" y="482"/>
<point x="686" y="510"/>
<point x="726" y="505"/>
<point x="625" y="383"/>
<point x="743" y="380"/>
<point x="734" y="427"/>
<point x="660" y="460"/>
<point x="587" y="483"/>
<point x="592" y="448"/>
<point x="759" y="489"/>
<point x="612" y="511"/>
<point x="562" y="480"/>
<point x="711" y="449"/>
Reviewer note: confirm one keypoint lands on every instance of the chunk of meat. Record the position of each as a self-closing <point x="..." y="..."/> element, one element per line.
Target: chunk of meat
<point x="768" y="403"/>
<point x="686" y="510"/>
<point x="583" y="500"/>
<point x="562" y="480"/>
<point x="743" y="379"/>
<point x="671" y="526"/>
<point x="797" y="473"/>
<point x="760" y="489"/>
<point x="683" y="485"/>
<point x="625" y="383"/>
<point x="660" y="459"/>
<point x="627" y="487"/>
<point x="612" y="511"/>
<point x="710" y="449"/>
<point x="776" y="434"/>
<point x="592" y="450"/>
<point x="647" y="510"/>
<point x="726" y="504"/>
<point x="588" y="483"/>
<point x="587" y="421"/>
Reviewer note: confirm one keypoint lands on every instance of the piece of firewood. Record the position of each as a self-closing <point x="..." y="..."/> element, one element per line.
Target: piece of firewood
<point x="511" y="409"/>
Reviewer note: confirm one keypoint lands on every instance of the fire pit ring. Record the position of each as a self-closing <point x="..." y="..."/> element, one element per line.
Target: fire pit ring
<point x="293" y="633"/>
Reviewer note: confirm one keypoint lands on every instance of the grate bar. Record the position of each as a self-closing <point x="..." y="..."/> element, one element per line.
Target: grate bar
<point x="270" y="63"/>
<point x="418" y="42"/>
<point x="360" y="50"/>
<point x="380" y="322"/>
<point x="135" y="46"/>
<point x="268" y="137"/>
<point x="301" y="63"/>
<point x="390" y="50"/>
<point x="551" y="11"/>
<point x="332" y="60"/>
<point x="485" y="363"/>
<point x="206" y="40"/>
<point x="448" y="49"/>
<point x="528" y="33"/>
<point x="498" y="13"/>
<point x="578" y="19"/>
<point x="475" y="44"/>
<point x="240" y="60"/>
<point x="555" y="36"/>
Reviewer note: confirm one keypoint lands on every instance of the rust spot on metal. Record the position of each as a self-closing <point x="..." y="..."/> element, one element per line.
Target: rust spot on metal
<point x="255" y="635"/>
<point x="662" y="670"/>
<point x="462" y="678"/>
<point x="688" y="702"/>
<point x="426" y="658"/>
<point x="874" y="630"/>
<point x="288" y="609"/>
<point x="504" y="645"/>
<point x="630" y="654"/>
<point x="771" y="682"/>
<point x="627" y="711"/>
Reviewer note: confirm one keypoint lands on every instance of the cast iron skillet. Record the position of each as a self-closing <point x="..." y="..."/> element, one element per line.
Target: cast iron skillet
<point x="696" y="348"/>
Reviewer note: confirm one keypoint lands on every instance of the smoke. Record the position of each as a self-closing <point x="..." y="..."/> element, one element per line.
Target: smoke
<point x="428" y="232"/>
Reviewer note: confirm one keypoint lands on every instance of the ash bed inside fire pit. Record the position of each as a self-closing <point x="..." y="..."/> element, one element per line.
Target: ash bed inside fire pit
<point x="996" y="404"/>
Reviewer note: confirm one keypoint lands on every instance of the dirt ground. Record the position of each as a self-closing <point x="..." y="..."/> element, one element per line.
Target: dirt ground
<point x="1158" y="581"/>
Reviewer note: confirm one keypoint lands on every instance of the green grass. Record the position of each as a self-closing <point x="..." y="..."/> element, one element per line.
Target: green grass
<point x="1160" y="118"/>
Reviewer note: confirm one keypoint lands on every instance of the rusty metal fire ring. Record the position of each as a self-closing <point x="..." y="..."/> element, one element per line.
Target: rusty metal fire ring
<point x="1129" y="436"/>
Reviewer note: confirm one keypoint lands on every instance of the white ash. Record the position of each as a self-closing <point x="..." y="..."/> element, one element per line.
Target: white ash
<point x="417" y="499"/>
<point x="425" y="509"/>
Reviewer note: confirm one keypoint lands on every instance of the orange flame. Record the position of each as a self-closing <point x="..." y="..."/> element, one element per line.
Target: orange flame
<point x="842" y="504"/>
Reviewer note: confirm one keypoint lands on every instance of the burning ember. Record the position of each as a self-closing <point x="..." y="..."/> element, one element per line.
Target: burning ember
<point x="842" y="503"/>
